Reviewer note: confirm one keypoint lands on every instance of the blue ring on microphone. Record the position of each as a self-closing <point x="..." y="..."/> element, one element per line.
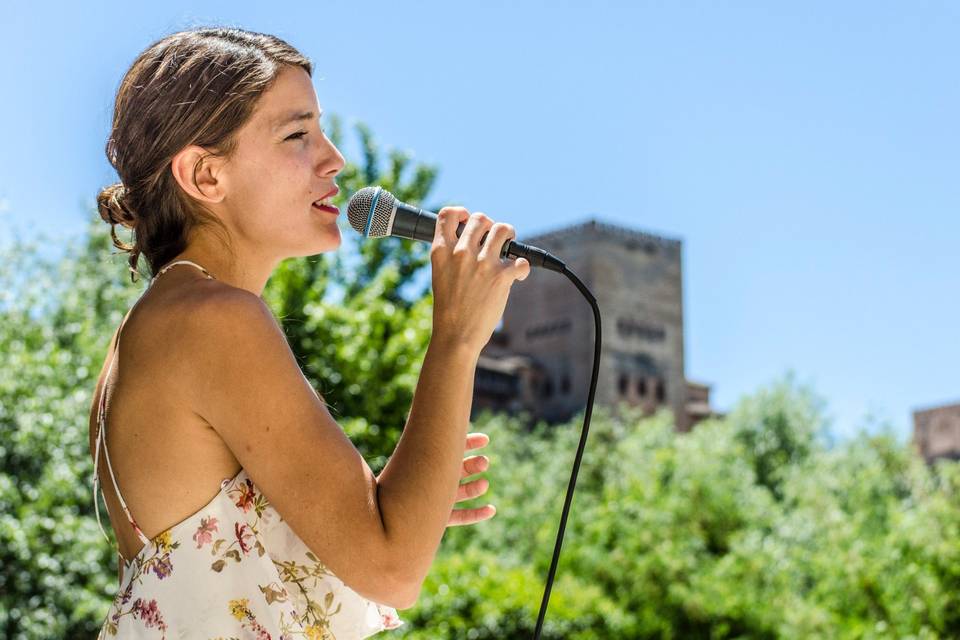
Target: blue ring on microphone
<point x="373" y="207"/>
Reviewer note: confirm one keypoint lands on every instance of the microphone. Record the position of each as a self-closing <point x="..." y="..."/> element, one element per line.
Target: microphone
<point x="375" y="213"/>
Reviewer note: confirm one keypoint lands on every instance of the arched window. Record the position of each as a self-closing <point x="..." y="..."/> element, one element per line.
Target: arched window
<point x="642" y="387"/>
<point x="565" y="384"/>
<point x="623" y="384"/>
<point x="660" y="391"/>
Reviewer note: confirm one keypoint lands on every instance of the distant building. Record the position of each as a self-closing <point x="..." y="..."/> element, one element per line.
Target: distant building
<point x="936" y="432"/>
<point x="540" y="360"/>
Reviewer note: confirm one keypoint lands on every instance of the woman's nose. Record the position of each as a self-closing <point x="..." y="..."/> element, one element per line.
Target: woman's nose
<point x="331" y="160"/>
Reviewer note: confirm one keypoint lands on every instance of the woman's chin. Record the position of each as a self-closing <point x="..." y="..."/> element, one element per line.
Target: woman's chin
<point x="330" y="241"/>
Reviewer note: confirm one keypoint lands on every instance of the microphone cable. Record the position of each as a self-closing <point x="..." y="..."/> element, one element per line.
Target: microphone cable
<point x="583" y="441"/>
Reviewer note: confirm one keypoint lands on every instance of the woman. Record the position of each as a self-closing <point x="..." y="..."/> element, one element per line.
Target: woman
<point x="239" y="505"/>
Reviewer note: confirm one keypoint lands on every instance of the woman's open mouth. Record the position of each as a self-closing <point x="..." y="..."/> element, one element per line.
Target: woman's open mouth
<point x="326" y="204"/>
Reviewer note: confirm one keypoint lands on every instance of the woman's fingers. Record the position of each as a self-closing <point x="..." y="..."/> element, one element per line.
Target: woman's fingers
<point x="474" y="464"/>
<point x="471" y="516"/>
<point x="448" y="219"/>
<point x="498" y="236"/>
<point x="520" y="268"/>
<point x="477" y="440"/>
<point x="472" y="489"/>
<point x="478" y="224"/>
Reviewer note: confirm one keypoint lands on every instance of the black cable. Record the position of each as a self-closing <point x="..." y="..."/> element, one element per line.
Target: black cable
<point x="583" y="441"/>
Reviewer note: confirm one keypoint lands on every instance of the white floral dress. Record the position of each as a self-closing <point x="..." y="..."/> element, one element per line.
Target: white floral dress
<point x="233" y="569"/>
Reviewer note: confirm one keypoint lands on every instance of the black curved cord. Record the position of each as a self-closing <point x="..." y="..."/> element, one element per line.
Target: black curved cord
<point x="583" y="441"/>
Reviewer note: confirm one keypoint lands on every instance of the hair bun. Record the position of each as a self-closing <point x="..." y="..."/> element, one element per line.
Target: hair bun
<point x="113" y="207"/>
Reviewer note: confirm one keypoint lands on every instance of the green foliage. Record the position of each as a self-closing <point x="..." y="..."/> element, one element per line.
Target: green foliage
<point x="680" y="532"/>
<point x="749" y="526"/>
<point x="779" y="429"/>
<point x="56" y="571"/>
<point x="473" y="594"/>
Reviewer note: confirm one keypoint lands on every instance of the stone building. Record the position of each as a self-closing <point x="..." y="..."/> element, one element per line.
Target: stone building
<point x="936" y="432"/>
<point x="540" y="359"/>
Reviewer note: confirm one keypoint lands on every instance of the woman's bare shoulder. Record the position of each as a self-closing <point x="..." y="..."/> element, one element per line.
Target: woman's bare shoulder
<point x="218" y="324"/>
<point x="177" y="333"/>
<point x="212" y="307"/>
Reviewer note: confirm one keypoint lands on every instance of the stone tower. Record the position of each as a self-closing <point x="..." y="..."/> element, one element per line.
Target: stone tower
<point x="936" y="432"/>
<point x="540" y="359"/>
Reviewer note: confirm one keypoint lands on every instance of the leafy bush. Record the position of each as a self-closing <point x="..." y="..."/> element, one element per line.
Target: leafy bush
<point x="751" y="526"/>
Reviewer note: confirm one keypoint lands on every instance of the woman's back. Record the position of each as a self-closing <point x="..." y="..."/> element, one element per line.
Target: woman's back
<point x="164" y="454"/>
<point x="208" y="554"/>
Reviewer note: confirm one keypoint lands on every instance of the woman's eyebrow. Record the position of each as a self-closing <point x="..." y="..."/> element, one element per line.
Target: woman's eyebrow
<point x="294" y="116"/>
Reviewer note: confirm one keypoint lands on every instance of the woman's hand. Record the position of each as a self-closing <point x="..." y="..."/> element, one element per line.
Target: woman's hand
<point x="470" y="281"/>
<point x="474" y="488"/>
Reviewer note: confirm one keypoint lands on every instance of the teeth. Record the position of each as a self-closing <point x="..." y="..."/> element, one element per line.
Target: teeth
<point x="328" y="202"/>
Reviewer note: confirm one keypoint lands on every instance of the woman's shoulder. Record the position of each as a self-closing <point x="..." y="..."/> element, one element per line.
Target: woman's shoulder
<point x="213" y="301"/>
<point x="210" y="309"/>
<point x="222" y="333"/>
<point x="206" y="294"/>
<point x="164" y="336"/>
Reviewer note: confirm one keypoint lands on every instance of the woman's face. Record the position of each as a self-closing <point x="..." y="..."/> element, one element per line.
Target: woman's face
<point x="283" y="164"/>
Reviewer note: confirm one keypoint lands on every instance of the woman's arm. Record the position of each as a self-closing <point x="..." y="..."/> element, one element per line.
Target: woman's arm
<point x="418" y="485"/>
<point x="246" y="383"/>
<point x="471" y="283"/>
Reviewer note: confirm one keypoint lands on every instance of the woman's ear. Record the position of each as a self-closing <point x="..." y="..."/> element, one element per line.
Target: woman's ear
<point x="199" y="173"/>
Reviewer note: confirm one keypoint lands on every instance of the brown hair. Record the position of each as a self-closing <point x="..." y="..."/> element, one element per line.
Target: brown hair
<point x="192" y="87"/>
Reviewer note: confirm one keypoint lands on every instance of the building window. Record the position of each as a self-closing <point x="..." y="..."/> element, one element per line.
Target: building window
<point x="661" y="393"/>
<point x="551" y="328"/>
<point x="632" y="328"/>
<point x="548" y="388"/>
<point x="642" y="387"/>
<point x="623" y="384"/>
<point x="565" y="384"/>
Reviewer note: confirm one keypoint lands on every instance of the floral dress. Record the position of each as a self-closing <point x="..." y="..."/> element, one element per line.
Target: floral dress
<point x="232" y="570"/>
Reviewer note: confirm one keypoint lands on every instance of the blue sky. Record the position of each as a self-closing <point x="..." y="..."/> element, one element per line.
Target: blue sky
<point x="805" y="153"/>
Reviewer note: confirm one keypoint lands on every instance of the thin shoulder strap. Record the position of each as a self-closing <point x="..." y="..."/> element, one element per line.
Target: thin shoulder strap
<point x="102" y="426"/>
<point x="101" y="437"/>
<point x="164" y="270"/>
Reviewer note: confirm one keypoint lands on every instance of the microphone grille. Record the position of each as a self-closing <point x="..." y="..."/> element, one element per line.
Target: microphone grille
<point x="369" y="211"/>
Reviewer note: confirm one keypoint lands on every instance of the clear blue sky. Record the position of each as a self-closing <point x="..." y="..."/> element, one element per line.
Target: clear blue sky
<point x="806" y="154"/>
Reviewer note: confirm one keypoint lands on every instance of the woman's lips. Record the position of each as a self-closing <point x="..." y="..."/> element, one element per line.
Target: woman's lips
<point x="321" y="207"/>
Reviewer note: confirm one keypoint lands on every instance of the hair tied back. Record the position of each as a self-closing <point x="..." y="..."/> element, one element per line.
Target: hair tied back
<point x="113" y="206"/>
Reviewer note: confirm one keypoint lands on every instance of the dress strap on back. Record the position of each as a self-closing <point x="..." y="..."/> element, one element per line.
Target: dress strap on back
<point x="164" y="269"/>
<point x="102" y="425"/>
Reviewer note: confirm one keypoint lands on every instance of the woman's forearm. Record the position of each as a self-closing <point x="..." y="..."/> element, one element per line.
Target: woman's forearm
<point x="417" y="488"/>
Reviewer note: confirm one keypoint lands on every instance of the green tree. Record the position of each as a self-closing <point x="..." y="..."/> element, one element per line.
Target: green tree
<point x="686" y="539"/>
<point x="750" y="526"/>
<point x="56" y="571"/>
<point x="779" y="427"/>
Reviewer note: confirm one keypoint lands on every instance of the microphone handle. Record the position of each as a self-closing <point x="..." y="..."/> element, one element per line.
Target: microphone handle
<point x="414" y="223"/>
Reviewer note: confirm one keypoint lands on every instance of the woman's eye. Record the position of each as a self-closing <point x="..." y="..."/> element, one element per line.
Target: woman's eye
<point x="300" y="134"/>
